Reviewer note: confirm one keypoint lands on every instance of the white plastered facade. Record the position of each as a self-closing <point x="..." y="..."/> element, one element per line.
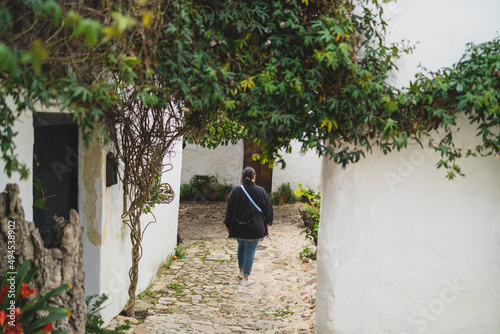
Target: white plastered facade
<point x="107" y="246"/>
<point x="106" y="241"/>
<point x="402" y="249"/>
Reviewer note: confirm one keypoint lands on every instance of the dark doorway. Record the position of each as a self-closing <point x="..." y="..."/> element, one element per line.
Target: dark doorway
<point x="264" y="173"/>
<point x="55" y="170"/>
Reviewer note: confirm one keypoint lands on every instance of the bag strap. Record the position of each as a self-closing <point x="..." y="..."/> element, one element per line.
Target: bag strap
<point x="250" y="198"/>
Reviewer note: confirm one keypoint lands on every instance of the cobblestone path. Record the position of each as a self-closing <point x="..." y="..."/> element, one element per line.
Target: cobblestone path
<point x="202" y="294"/>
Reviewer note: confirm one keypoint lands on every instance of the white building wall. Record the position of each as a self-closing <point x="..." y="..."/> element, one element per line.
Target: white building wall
<point x="90" y="208"/>
<point x="227" y="162"/>
<point x="24" y="151"/>
<point x="440" y="29"/>
<point x="301" y="168"/>
<point x="107" y="245"/>
<point x="402" y="249"/>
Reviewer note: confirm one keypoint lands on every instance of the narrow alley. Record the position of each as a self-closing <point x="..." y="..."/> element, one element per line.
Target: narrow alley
<point x="201" y="293"/>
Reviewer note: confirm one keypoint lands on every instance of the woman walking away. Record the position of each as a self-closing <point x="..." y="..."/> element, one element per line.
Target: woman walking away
<point x="249" y="212"/>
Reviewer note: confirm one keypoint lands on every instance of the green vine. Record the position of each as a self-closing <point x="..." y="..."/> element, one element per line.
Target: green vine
<point x="472" y="88"/>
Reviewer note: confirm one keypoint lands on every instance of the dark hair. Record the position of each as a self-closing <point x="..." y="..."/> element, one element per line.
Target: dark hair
<point x="247" y="174"/>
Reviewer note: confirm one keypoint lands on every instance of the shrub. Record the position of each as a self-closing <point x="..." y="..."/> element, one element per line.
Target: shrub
<point x="284" y="194"/>
<point x="223" y="190"/>
<point x="186" y="191"/>
<point x="180" y="252"/>
<point x="307" y="253"/>
<point x="310" y="221"/>
<point x="18" y="309"/>
<point x="203" y="187"/>
<point x="309" y="216"/>
<point x="94" y="322"/>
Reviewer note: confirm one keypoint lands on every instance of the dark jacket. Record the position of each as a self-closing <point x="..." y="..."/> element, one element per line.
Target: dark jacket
<point x="242" y="218"/>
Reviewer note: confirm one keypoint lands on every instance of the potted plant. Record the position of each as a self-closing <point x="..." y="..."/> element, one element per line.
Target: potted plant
<point x="186" y="192"/>
<point x="223" y="192"/>
<point x="283" y="195"/>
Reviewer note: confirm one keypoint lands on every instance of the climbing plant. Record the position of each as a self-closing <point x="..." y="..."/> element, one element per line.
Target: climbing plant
<point x="220" y="131"/>
<point x="316" y="72"/>
<point x="145" y="73"/>
<point x="114" y="65"/>
<point x="471" y="88"/>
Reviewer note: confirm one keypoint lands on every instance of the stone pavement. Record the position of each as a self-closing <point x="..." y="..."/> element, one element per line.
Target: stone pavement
<point x="201" y="293"/>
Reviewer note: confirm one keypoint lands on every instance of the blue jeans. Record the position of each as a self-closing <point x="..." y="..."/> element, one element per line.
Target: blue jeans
<point x="246" y="253"/>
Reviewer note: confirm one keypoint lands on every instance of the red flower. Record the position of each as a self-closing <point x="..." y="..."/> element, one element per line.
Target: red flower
<point x="18" y="312"/>
<point x="18" y="328"/>
<point x="3" y="293"/>
<point x="13" y="329"/>
<point x="26" y="291"/>
<point x="3" y="316"/>
<point x="47" y="328"/>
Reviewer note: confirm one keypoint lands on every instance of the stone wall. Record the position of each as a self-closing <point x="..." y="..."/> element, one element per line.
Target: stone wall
<point x="62" y="264"/>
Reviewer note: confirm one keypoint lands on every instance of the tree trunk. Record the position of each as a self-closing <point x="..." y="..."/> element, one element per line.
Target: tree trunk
<point x="136" y="239"/>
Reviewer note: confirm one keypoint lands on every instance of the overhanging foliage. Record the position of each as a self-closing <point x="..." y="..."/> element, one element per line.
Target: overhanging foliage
<point x="312" y="71"/>
<point x="317" y="73"/>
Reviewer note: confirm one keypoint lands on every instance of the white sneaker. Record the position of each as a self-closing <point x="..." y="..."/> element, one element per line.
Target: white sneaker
<point x="240" y="275"/>
<point x="246" y="282"/>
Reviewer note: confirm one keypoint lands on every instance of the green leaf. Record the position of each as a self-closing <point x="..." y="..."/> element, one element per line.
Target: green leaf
<point x="92" y="33"/>
<point x="81" y="26"/>
<point x="461" y="105"/>
<point x="30" y="275"/>
<point x="45" y="298"/>
<point x="123" y="22"/>
<point x="40" y="203"/>
<point x="229" y="104"/>
<point x="37" y="55"/>
<point x="5" y="19"/>
<point x="49" y="7"/>
<point x="72" y="18"/>
<point x="51" y="318"/>
<point x="82" y="93"/>
<point x="131" y="60"/>
<point x="8" y="60"/>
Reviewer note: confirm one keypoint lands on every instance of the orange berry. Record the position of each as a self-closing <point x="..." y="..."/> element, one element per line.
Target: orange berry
<point x="175" y="257"/>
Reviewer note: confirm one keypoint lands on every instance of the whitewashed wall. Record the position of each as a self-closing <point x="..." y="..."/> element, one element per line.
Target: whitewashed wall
<point x="24" y="151"/>
<point x="227" y="162"/>
<point x="402" y="249"/>
<point x="301" y="168"/>
<point x="107" y="245"/>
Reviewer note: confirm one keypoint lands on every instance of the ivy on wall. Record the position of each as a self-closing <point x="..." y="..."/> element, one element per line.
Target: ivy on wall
<point x="472" y="88"/>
